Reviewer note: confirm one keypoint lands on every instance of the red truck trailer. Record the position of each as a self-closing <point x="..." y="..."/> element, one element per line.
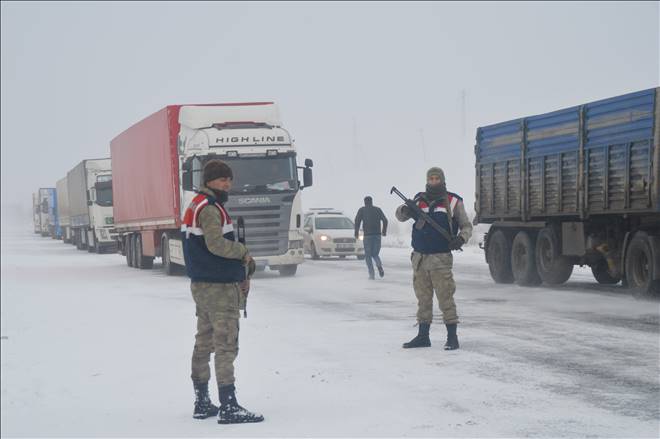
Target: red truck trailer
<point x="157" y="164"/>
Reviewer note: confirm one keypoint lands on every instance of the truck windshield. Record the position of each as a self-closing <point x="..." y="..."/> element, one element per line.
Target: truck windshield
<point x="253" y="174"/>
<point x="263" y="174"/>
<point x="334" y="223"/>
<point x="104" y="190"/>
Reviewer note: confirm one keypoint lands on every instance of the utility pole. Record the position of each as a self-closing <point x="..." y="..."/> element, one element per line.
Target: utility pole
<point x="356" y="148"/>
<point x="421" y="137"/>
<point x="463" y="112"/>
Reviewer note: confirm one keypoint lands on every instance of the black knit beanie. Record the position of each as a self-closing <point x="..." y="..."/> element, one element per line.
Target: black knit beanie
<point x="216" y="169"/>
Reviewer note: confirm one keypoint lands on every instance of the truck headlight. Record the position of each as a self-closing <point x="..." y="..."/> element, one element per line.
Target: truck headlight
<point x="324" y="238"/>
<point x="296" y="244"/>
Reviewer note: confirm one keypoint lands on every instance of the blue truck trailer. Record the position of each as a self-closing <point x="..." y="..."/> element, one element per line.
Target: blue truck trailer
<point x="49" y="221"/>
<point x="578" y="186"/>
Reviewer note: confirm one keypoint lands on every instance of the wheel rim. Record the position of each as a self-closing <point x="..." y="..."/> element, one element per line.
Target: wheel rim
<point x="546" y="253"/>
<point x="519" y="257"/>
<point x="497" y="254"/>
<point x="166" y="254"/>
<point x="641" y="269"/>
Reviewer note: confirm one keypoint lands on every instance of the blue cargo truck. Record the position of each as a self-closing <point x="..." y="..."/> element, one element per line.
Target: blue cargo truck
<point x="579" y="186"/>
<point x="48" y="219"/>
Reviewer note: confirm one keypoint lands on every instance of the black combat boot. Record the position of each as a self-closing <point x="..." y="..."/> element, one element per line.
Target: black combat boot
<point x="203" y="406"/>
<point x="452" y="338"/>
<point x="422" y="340"/>
<point x="381" y="272"/>
<point x="232" y="413"/>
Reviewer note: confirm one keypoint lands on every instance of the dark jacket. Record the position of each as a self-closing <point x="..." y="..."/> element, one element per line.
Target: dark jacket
<point x="371" y="216"/>
<point x="210" y="251"/>
<point x="427" y="240"/>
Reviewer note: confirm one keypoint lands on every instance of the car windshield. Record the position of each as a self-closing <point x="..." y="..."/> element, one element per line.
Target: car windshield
<point x="259" y="174"/>
<point x="338" y="222"/>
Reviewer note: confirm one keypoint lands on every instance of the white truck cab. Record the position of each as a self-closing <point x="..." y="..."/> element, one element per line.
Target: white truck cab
<point x="266" y="191"/>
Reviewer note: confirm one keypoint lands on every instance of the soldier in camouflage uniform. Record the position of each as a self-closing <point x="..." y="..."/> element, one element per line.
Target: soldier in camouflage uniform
<point x="219" y="268"/>
<point x="432" y="259"/>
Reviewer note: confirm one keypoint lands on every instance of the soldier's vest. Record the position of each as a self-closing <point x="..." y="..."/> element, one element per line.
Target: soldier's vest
<point x="427" y="240"/>
<point x="201" y="264"/>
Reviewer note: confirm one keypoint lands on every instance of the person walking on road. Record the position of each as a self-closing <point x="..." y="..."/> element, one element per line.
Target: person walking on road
<point x="432" y="260"/>
<point x="371" y="217"/>
<point x="216" y="264"/>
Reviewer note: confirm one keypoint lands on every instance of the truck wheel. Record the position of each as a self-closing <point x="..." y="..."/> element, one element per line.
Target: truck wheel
<point x="93" y="243"/>
<point x="170" y="268"/>
<point x="315" y="255"/>
<point x="639" y="267"/>
<point x="288" y="270"/>
<point x="142" y="262"/>
<point x="130" y="259"/>
<point x="361" y="257"/>
<point x="552" y="267"/>
<point x="523" y="264"/>
<point x="602" y="273"/>
<point x="499" y="257"/>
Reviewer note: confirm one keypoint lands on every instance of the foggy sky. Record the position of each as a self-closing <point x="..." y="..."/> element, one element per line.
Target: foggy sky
<point x="374" y="93"/>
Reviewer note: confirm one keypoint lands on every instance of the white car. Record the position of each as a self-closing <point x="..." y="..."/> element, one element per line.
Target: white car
<point x="328" y="232"/>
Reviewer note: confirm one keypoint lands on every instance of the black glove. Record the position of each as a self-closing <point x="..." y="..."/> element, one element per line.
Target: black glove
<point x="456" y="243"/>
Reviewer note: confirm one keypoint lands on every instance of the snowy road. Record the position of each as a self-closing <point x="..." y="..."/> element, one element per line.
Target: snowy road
<point x="91" y="347"/>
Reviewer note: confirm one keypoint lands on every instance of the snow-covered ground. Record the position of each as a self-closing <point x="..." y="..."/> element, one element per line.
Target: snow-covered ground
<point x="91" y="347"/>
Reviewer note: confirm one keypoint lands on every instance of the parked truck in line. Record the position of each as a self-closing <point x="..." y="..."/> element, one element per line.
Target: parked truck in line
<point x="63" y="209"/>
<point x="36" y="212"/>
<point x="158" y="164"/>
<point x="89" y="193"/>
<point x="48" y="220"/>
<point x="578" y="186"/>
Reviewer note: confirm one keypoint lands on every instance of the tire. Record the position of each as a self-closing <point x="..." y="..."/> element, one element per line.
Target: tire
<point x="92" y="246"/>
<point x="130" y="250"/>
<point x="602" y="274"/>
<point x="342" y="256"/>
<point x="639" y="267"/>
<point x="170" y="268"/>
<point x="498" y="254"/>
<point x="288" y="270"/>
<point x="313" y="251"/>
<point x="552" y="267"/>
<point x="142" y="262"/>
<point x="523" y="260"/>
<point x="81" y="242"/>
<point x="361" y="257"/>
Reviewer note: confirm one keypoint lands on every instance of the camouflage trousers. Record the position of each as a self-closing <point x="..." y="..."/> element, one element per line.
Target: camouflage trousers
<point x="433" y="272"/>
<point x="217" y="330"/>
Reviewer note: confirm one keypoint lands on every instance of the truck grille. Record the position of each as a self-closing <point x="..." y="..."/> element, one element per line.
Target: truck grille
<point x="266" y="227"/>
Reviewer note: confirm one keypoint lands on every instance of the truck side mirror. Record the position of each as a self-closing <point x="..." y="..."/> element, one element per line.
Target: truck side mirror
<point x="309" y="163"/>
<point x="307" y="177"/>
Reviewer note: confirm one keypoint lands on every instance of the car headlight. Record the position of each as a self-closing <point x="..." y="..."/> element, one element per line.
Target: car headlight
<point x="361" y="237"/>
<point x="324" y="238"/>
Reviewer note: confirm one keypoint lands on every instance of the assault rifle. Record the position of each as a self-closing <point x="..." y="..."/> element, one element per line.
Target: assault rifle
<point x="240" y="231"/>
<point x="423" y="215"/>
